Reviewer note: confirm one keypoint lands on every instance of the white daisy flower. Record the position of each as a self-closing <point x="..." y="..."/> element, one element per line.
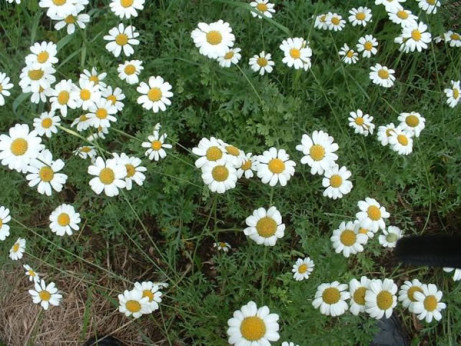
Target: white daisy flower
<point x="428" y="303"/>
<point x="156" y="144"/>
<point x="380" y="298"/>
<point x="115" y="96"/>
<point x="384" y="133"/>
<point x="363" y="230"/>
<point x="262" y="63"/>
<point x="220" y="175"/>
<point x="134" y="172"/>
<point x="209" y="150"/>
<point x="453" y="93"/>
<point x="151" y="291"/>
<point x="321" y="22"/>
<point x="360" y="16"/>
<point x="60" y="8"/>
<point x="19" y="147"/>
<point x="32" y="274"/>
<point x="129" y="71"/>
<point x="44" y="173"/>
<point x="85" y="152"/>
<point x="319" y="151"/>
<point x="100" y="133"/>
<point x="412" y="123"/>
<point x="213" y="39"/>
<point x="336" y="182"/>
<point x="390" y="5"/>
<point x="126" y="8"/>
<point x="222" y="246"/>
<point x="45" y="295"/>
<point x="275" y="166"/>
<point x="64" y="220"/>
<point x="456" y="274"/>
<point x="95" y="77"/>
<point x="249" y="165"/>
<point x="303" y="268"/>
<point x="82" y="122"/>
<point x="233" y="154"/>
<point x="64" y="96"/>
<point x="347" y="240"/>
<point x="134" y="303"/>
<point x="430" y="6"/>
<point x="357" y="290"/>
<point x="122" y="38"/>
<point x="87" y="94"/>
<point x="335" y="21"/>
<point x="43" y="53"/>
<point x="253" y="326"/>
<point x="265" y="227"/>
<point x="401" y="142"/>
<point x="46" y="124"/>
<point x="4" y="86"/>
<point x="263" y="7"/>
<point x="102" y="113"/>
<point x="35" y="77"/>
<point x="4" y="219"/>
<point x="381" y="75"/>
<point x="331" y="299"/>
<point x="407" y="293"/>
<point x="372" y="214"/>
<point x="349" y="56"/>
<point x="414" y="37"/>
<point x="453" y="38"/>
<point x="368" y="46"/>
<point x="155" y="95"/>
<point x="361" y="123"/>
<point x="403" y="17"/>
<point x="390" y="236"/>
<point x="71" y="21"/>
<point x="232" y="56"/>
<point x="18" y="248"/>
<point x="297" y="53"/>
<point x="41" y="94"/>
<point x="109" y="178"/>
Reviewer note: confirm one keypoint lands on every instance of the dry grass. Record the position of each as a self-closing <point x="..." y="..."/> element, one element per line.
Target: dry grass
<point x="23" y="322"/>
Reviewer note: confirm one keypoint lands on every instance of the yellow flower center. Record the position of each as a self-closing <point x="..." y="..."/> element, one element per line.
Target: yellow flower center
<point x="335" y="20"/>
<point x="59" y="2"/>
<point x="234" y="151"/>
<point x="295" y="53"/>
<point x="430" y="303"/>
<point x="101" y="113"/>
<point x="156" y="145"/>
<point x="276" y="166"/>
<point x="16" y="247"/>
<point x="411" y="292"/>
<point x="46" y="123"/>
<point x="368" y="45"/>
<point x="455" y="37"/>
<point x="262" y="7"/>
<point x="402" y="139"/>
<point x="148" y="294"/>
<point x="383" y="74"/>
<point x="1" y="88"/>
<point x="82" y="118"/>
<point x="214" y="37"/>
<point x="44" y="295"/>
<point x="94" y="79"/>
<point x="266" y="227"/>
<point x="126" y="3"/>
<point x="42" y="57"/>
<point x="323" y="18"/>
<point x="389" y="132"/>
<point x="416" y="35"/>
<point x="220" y="173"/>
<point x="1" y="223"/>
<point x="431" y="2"/>
<point x="46" y="174"/>
<point x="384" y="300"/>
<point x="261" y="62"/>
<point x="246" y="165"/>
<point x="455" y="93"/>
<point x="85" y="94"/>
<point x="70" y="19"/>
<point x="359" y="121"/>
<point x="317" y="152"/>
<point x="331" y="295"/>
<point x="374" y="213"/>
<point x="412" y="120"/>
<point x="121" y="39"/>
<point x="229" y="55"/>
<point x="112" y="98"/>
<point x="213" y="153"/>
<point x="31" y="272"/>
<point x="360" y="16"/>
<point x="402" y="14"/>
<point x="348" y="237"/>
<point x="63" y="97"/>
<point x="222" y="245"/>
<point x="154" y="94"/>
<point x="252" y="328"/>
<point x="85" y="149"/>
<point x="19" y="146"/>
<point x="35" y="74"/>
<point x="130" y="69"/>
<point x="302" y="268"/>
<point x="336" y="180"/>
<point x="133" y="306"/>
<point x="63" y="219"/>
<point x="107" y="176"/>
<point x="359" y="295"/>
<point x="130" y="170"/>
<point x="350" y="53"/>
<point x="363" y="231"/>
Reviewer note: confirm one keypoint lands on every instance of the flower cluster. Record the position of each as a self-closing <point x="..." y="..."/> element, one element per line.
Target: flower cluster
<point x="143" y="299"/>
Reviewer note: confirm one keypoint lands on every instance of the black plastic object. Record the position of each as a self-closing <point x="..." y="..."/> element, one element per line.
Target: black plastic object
<point x="391" y="333"/>
<point x="103" y="341"/>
